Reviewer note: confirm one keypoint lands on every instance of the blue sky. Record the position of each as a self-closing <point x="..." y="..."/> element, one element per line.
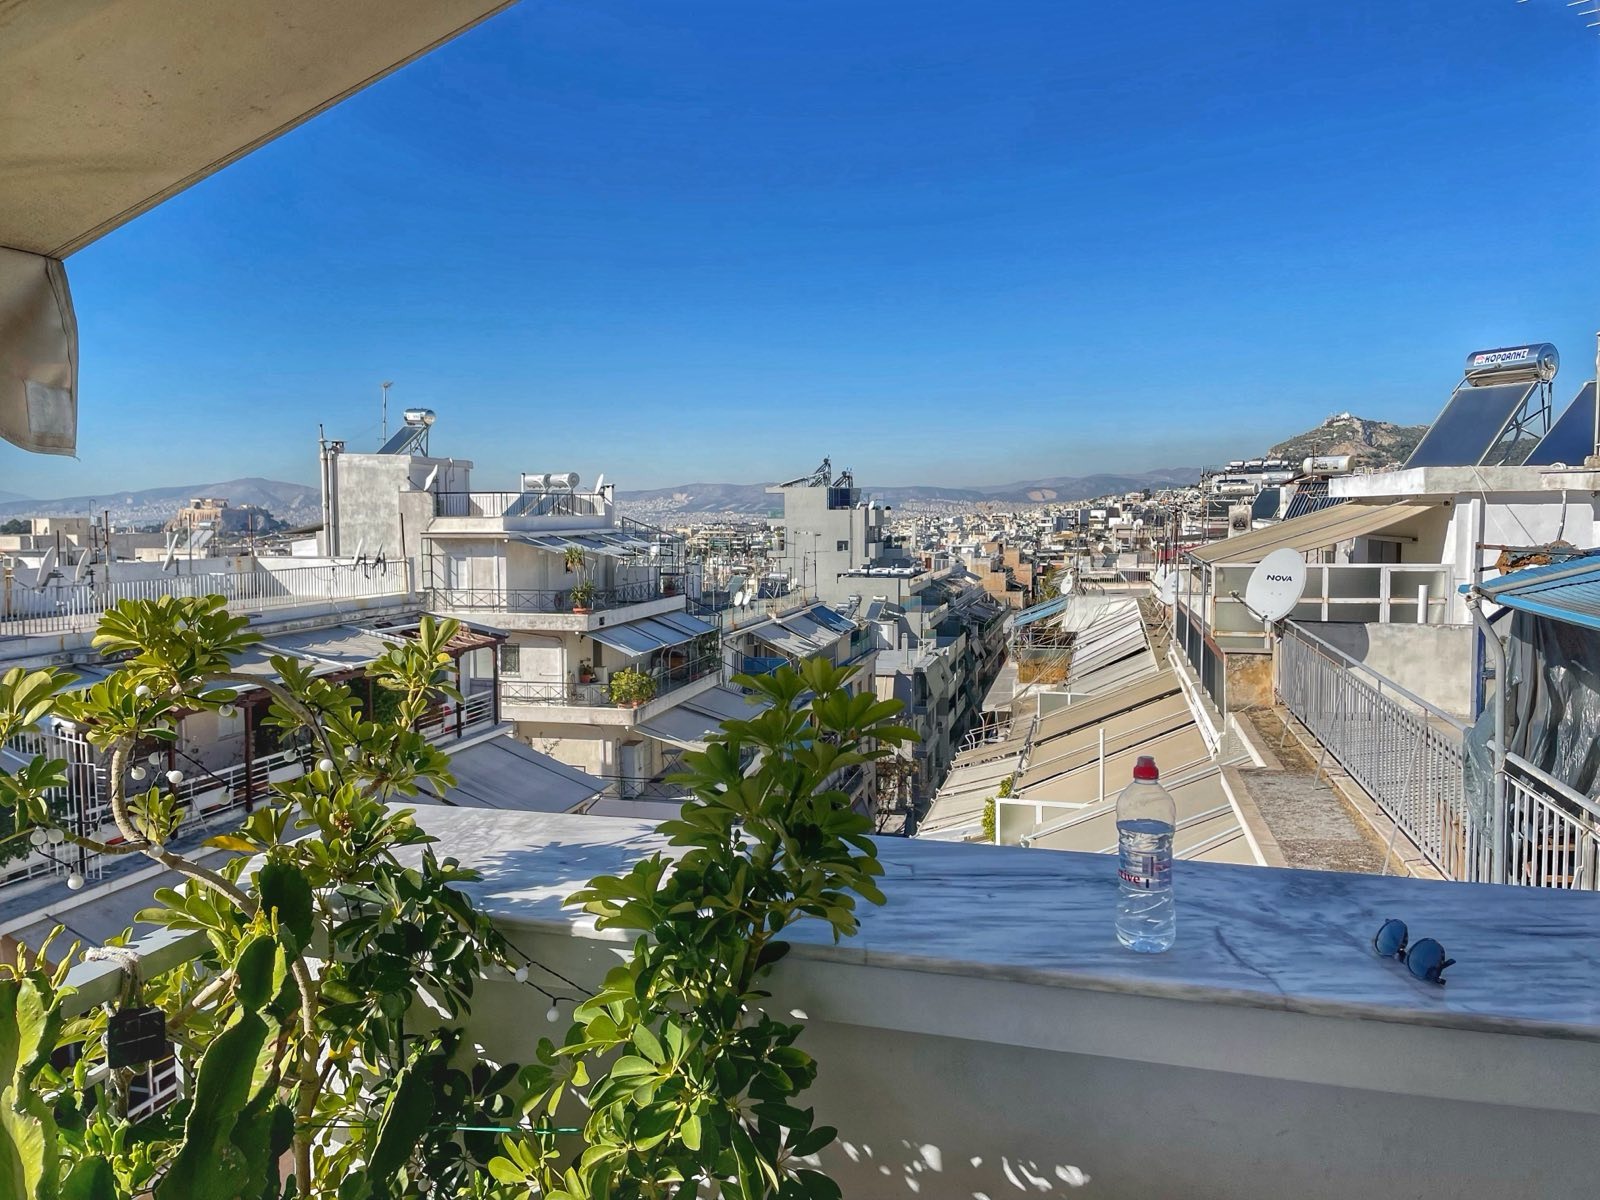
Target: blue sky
<point x="942" y="242"/>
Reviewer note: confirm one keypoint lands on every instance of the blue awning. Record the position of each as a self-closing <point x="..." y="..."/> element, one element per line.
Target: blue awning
<point x="1040" y="611"/>
<point x="1563" y="591"/>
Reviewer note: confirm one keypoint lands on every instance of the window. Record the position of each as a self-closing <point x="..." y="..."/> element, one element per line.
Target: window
<point x="842" y="547"/>
<point x="510" y="659"/>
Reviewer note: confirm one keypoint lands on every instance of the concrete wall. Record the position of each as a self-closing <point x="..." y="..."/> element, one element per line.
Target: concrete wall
<point x="969" y="1088"/>
<point x="1249" y="680"/>
<point x="378" y="502"/>
<point x="1434" y="661"/>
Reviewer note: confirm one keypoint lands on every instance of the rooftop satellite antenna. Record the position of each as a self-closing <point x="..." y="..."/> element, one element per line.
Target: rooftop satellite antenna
<point x="1167" y="586"/>
<point x="1275" y="586"/>
<point x="740" y="599"/>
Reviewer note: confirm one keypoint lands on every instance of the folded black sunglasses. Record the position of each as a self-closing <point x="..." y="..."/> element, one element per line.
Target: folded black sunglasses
<point x="1425" y="960"/>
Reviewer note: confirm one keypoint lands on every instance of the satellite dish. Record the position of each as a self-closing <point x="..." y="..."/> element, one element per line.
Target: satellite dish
<point x="600" y="483"/>
<point x="1167" y="586"/>
<point x="740" y="599"/>
<point x="1276" y="585"/>
<point x="1065" y="587"/>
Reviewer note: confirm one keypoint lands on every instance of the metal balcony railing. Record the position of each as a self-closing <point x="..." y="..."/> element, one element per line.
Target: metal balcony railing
<point x="519" y="504"/>
<point x="1552" y="833"/>
<point x="533" y="600"/>
<point x="66" y="606"/>
<point x="1408" y="755"/>
<point x="568" y="693"/>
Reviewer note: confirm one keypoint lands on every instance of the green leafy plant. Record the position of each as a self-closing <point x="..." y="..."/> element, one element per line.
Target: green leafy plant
<point x="632" y="687"/>
<point x="573" y="558"/>
<point x="693" y="1083"/>
<point x="331" y="1057"/>
<point x="583" y="596"/>
<point x="989" y="807"/>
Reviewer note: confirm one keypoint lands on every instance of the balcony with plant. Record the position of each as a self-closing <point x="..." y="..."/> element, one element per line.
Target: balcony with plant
<point x="321" y="983"/>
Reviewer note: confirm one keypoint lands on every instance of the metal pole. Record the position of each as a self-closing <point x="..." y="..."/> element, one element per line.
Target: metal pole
<point x="1102" y="763"/>
<point x="1596" y="455"/>
<point x="1497" y="847"/>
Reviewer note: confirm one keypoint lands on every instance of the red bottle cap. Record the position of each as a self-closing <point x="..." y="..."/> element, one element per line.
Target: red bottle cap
<point x="1145" y="768"/>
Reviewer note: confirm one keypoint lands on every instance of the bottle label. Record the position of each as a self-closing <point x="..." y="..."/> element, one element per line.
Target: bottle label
<point x="1145" y="871"/>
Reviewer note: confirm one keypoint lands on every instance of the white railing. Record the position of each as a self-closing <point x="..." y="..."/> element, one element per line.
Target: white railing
<point x="66" y="606"/>
<point x="1552" y="833"/>
<point x="1409" y="756"/>
<point x="1369" y="593"/>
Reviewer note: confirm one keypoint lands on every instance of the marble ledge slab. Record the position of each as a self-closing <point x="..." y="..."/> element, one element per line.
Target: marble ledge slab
<point x="1291" y="940"/>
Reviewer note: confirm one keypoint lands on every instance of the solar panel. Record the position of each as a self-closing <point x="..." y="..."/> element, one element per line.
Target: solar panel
<point x="1470" y="425"/>
<point x="1309" y="497"/>
<point x="1571" y="438"/>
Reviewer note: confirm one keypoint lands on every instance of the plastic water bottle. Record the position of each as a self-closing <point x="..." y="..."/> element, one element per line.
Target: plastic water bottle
<point x="1147" y="916"/>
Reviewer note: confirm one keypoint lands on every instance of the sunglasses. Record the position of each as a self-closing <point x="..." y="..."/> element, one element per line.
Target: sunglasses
<point x="1425" y="960"/>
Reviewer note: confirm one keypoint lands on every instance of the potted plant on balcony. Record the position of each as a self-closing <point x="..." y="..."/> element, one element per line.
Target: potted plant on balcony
<point x="585" y="671"/>
<point x="583" y="597"/>
<point x="573" y="557"/>
<point x="631" y="687"/>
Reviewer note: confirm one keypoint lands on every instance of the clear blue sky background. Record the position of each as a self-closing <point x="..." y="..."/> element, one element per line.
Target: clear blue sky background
<point x="942" y="242"/>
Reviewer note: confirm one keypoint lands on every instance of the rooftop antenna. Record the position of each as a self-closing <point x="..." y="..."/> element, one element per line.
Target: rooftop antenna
<point x="384" y="387"/>
<point x="1275" y="586"/>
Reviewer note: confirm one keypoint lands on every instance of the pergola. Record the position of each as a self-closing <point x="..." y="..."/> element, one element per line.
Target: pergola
<point x="112" y="106"/>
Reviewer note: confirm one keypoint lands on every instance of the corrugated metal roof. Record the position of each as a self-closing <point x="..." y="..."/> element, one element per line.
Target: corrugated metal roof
<point x="1566" y="591"/>
<point x="1313" y="531"/>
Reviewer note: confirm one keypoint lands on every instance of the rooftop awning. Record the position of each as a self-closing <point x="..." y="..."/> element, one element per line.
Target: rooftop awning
<point x="652" y="633"/>
<point x="1566" y="591"/>
<point x="112" y="106"/>
<point x="501" y="772"/>
<point x="603" y="542"/>
<point x="1314" y="531"/>
<point x="689" y="725"/>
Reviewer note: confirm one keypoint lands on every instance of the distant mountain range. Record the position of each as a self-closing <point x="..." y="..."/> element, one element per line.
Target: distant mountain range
<point x="292" y="502"/>
<point x="1370" y="443"/>
<point x="753" y="498"/>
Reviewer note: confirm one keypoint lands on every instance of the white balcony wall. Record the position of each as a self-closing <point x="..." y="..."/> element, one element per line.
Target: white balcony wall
<point x="984" y="1036"/>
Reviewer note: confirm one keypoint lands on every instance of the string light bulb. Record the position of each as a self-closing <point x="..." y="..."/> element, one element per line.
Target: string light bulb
<point x="136" y="773"/>
<point x="553" y="1013"/>
<point x="74" y="882"/>
<point x="142" y="691"/>
<point x="174" y="777"/>
<point x="520" y="974"/>
<point x="55" y="836"/>
<point x="35" y="836"/>
<point x="325" y="765"/>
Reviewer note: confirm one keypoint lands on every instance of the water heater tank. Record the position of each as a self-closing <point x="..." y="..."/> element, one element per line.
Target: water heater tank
<point x="1528" y="363"/>
<point x="1326" y="464"/>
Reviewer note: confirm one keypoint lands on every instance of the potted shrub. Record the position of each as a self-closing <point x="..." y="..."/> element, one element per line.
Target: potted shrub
<point x="631" y="687"/>
<point x="585" y="671"/>
<point x="583" y="597"/>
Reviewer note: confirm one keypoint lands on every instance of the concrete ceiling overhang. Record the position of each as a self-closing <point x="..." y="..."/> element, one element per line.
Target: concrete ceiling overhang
<point x="111" y="106"/>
